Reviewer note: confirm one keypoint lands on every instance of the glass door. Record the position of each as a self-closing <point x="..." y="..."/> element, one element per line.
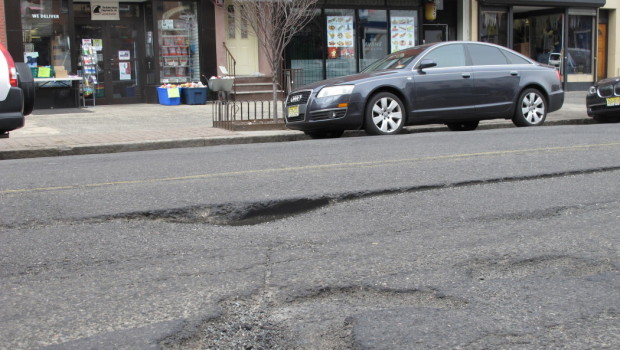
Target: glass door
<point x="121" y="62"/>
<point x="116" y="46"/>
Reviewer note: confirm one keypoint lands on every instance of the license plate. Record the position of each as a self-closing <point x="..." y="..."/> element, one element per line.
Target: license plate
<point x="613" y="101"/>
<point x="293" y="111"/>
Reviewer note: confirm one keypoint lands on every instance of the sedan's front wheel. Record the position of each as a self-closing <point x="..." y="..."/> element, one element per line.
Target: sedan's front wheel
<point x="531" y="109"/>
<point x="385" y="114"/>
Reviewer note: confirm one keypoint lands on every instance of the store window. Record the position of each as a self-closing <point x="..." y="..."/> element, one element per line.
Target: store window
<point x="580" y="44"/>
<point x="306" y="52"/>
<point x="340" y="42"/>
<point x="178" y="41"/>
<point x="46" y="35"/>
<point x="373" y="31"/>
<point x="494" y="27"/>
<point x="546" y="34"/>
<point x="403" y="29"/>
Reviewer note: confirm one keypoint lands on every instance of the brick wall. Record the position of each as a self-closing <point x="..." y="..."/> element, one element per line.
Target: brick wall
<point x="2" y="24"/>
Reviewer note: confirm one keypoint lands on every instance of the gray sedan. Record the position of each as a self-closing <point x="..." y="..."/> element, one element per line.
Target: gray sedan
<point x="452" y="83"/>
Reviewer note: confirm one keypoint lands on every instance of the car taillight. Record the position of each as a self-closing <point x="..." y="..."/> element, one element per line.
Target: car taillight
<point x="11" y="64"/>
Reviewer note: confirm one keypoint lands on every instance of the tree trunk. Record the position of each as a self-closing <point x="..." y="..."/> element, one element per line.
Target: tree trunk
<point x="274" y="86"/>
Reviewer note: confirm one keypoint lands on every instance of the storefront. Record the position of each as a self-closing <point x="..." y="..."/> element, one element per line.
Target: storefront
<point x="346" y="36"/>
<point x="121" y="49"/>
<point x="562" y="33"/>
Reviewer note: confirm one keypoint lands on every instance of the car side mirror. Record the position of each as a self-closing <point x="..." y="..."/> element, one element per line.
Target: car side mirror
<point x="427" y="64"/>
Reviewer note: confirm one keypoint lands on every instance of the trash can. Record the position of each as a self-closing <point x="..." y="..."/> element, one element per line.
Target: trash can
<point x="195" y="96"/>
<point x="169" y="96"/>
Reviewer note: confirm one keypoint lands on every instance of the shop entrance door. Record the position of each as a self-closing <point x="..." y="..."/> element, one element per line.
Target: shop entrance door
<point x="119" y="49"/>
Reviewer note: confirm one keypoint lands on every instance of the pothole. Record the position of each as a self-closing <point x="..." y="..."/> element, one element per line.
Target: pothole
<point x="316" y="319"/>
<point x="541" y="265"/>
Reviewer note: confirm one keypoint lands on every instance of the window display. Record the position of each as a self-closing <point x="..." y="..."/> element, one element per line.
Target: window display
<point x="46" y="35"/>
<point x="178" y="42"/>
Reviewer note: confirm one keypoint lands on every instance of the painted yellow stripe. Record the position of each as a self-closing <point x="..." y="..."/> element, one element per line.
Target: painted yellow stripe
<point x="315" y="167"/>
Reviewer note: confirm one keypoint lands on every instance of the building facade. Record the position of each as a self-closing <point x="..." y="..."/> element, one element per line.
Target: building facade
<point x="125" y="49"/>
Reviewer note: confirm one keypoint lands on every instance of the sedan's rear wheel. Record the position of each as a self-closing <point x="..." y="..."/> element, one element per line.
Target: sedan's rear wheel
<point x="385" y="114"/>
<point x="531" y="109"/>
<point x="463" y="126"/>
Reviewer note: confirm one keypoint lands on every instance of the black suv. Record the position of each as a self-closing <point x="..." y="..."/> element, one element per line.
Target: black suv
<point x="16" y="92"/>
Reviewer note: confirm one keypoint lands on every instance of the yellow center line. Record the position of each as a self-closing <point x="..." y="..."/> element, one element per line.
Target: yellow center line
<point x="314" y="167"/>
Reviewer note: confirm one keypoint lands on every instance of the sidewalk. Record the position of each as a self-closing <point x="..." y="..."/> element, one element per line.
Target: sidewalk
<point x="139" y="127"/>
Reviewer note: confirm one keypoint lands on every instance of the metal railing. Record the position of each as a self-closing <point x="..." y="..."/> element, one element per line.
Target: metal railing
<point x="231" y="65"/>
<point x="229" y="114"/>
<point x="291" y="79"/>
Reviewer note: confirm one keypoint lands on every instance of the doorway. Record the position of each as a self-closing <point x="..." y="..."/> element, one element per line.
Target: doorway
<point x="241" y="42"/>
<point x="119" y="48"/>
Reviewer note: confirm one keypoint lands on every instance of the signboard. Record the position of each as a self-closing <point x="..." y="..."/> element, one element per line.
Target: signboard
<point x="104" y="10"/>
<point x="340" y="37"/>
<point x="402" y="33"/>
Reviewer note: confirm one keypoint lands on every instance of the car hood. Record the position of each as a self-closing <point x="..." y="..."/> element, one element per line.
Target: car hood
<point x="348" y="79"/>
<point x="608" y="81"/>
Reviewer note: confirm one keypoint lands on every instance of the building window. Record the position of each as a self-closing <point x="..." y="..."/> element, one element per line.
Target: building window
<point x="494" y="27"/>
<point x="580" y="44"/>
<point x="340" y="42"/>
<point x="46" y="35"/>
<point x="231" y="22"/>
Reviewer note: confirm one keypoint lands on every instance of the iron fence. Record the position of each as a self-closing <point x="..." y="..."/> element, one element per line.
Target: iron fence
<point x="229" y="114"/>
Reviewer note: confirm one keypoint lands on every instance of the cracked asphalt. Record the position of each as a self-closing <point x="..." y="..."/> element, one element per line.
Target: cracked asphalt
<point x="499" y="239"/>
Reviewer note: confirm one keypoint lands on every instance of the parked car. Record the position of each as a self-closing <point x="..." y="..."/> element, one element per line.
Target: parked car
<point x="453" y="83"/>
<point x="16" y="92"/>
<point x="603" y="100"/>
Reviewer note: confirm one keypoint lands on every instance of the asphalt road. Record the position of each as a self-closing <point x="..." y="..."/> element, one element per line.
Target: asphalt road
<point x="503" y="238"/>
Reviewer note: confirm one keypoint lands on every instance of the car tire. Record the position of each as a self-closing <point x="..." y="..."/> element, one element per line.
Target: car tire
<point x="463" y="126"/>
<point x="385" y="114"/>
<point x="26" y="83"/>
<point x="531" y="109"/>
<point x="324" y="134"/>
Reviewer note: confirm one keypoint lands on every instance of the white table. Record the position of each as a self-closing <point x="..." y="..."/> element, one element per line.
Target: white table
<point x="70" y="82"/>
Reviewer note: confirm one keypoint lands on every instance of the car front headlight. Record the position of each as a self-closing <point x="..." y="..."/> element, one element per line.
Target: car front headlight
<point x="335" y="91"/>
<point x="592" y="90"/>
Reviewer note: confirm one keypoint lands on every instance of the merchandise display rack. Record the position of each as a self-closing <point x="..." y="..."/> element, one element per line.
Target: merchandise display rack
<point x="175" y="51"/>
<point x="90" y="70"/>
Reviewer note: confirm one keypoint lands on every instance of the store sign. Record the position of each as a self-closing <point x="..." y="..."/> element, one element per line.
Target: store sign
<point x="102" y="10"/>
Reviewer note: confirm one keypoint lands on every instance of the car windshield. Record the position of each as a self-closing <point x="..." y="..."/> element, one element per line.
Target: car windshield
<point x="397" y="60"/>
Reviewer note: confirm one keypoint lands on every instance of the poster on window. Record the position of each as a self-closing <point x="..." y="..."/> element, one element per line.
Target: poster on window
<point x="402" y="33"/>
<point x="124" y="69"/>
<point x="340" y="37"/>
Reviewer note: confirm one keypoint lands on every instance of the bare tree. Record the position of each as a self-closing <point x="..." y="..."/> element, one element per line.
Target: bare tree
<point x="275" y="22"/>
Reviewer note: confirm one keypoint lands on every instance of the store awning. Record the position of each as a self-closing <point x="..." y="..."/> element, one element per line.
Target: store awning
<point x="554" y="3"/>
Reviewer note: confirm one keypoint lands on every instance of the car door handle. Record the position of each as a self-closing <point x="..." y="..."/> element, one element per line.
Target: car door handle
<point x="466" y="75"/>
<point x="514" y="73"/>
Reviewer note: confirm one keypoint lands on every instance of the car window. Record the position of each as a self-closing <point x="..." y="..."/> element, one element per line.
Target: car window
<point x="514" y="58"/>
<point x="485" y="55"/>
<point x="398" y="60"/>
<point x="448" y="56"/>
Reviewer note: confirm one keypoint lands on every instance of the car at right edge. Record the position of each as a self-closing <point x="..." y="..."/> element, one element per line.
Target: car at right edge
<point x="603" y="100"/>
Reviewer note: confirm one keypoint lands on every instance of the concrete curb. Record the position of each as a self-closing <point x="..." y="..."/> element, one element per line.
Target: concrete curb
<point x="68" y="150"/>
